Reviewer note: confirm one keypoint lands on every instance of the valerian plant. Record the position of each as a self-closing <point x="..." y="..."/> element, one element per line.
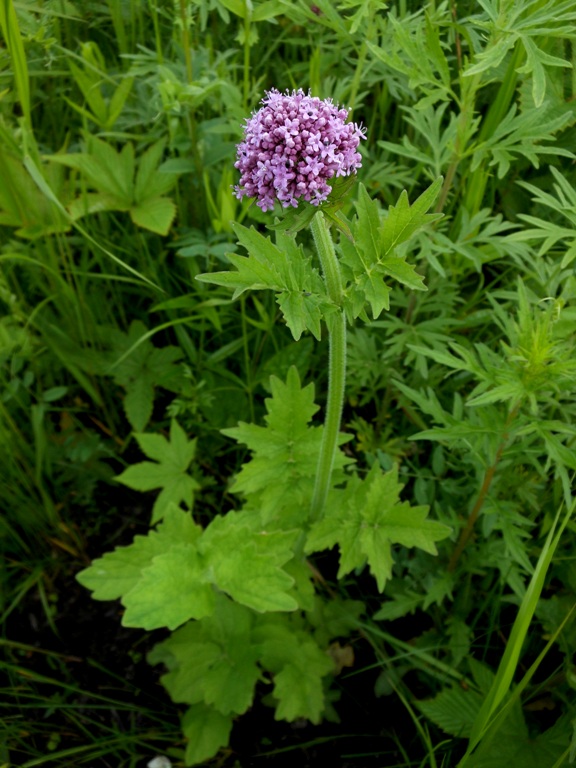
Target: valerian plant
<point x="239" y="592"/>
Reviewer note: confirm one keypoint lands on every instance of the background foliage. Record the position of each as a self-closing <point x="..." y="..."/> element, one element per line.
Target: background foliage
<point x="129" y="390"/>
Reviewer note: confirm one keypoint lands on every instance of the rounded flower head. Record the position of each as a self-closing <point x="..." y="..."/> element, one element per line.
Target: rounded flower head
<point x="292" y="146"/>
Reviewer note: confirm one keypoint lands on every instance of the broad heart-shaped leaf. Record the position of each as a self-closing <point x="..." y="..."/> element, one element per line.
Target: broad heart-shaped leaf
<point x="298" y="665"/>
<point x="212" y="660"/>
<point x="367" y="518"/>
<point x="298" y="687"/>
<point x="169" y="472"/>
<point x="169" y="591"/>
<point x="279" y="478"/>
<point x="154" y="213"/>
<point x="246" y="562"/>
<point x="117" y="572"/>
<point x="206" y="730"/>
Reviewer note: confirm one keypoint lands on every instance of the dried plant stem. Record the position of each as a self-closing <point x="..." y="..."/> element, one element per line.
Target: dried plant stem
<point x="466" y="532"/>
<point x="336" y="366"/>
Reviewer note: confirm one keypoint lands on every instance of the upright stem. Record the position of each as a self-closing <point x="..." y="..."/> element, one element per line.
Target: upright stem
<point x="336" y="365"/>
<point x="186" y="40"/>
<point x="468" y="529"/>
<point x="247" y="44"/>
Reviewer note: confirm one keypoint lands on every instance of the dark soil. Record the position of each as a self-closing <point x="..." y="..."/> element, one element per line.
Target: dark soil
<point x="64" y="676"/>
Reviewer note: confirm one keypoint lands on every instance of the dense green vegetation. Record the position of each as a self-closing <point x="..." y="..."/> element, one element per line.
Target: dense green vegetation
<point x="160" y="435"/>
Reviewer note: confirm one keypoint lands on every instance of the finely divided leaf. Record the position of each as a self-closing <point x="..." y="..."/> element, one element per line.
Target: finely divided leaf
<point x="373" y="256"/>
<point x="375" y="290"/>
<point x="302" y="312"/>
<point x="399" y="603"/>
<point x="404" y="273"/>
<point x="261" y="269"/>
<point x="536" y="62"/>
<point x="251" y="274"/>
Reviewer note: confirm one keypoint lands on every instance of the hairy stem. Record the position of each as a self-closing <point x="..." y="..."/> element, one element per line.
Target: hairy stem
<point x="336" y="365"/>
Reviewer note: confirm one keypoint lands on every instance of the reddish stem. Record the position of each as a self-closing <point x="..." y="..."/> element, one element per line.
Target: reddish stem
<point x="466" y="532"/>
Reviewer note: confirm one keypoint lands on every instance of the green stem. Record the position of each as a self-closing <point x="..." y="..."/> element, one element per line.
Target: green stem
<point x="186" y="41"/>
<point x="336" y="365"/>
<point x="246" y="84"/>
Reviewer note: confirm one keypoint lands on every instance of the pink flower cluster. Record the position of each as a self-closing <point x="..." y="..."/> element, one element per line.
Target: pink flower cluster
<point x="292" y="146"/>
